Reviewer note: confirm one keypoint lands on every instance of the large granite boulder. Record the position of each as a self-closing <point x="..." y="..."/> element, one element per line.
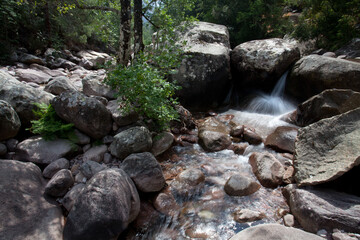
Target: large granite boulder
<point x="32" y="75"/>
<point x="328" y="103"/>
<point x="260" y="63"/>
<point x="274" y="231"/>
<point x="59" y="85"/>
<point x="9" y="121"/>
<point x="214" y="135"/>
<point x="26" y="214"/>
<point x="205" y="74"/>
<point x="91" y="59"/>
<point x="327" y="149"/>
<point x="22" y="97"/>
<point x="60" y="183"/>
<point x="317" y="209"/>
<point x="104" y="208"/>
<point x="313" y="74"/>
<point x="87" y="114"/>
<point x="92" y="85"/>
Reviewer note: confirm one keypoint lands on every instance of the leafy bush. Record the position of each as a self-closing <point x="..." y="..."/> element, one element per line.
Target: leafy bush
<point x="49" y="125"/>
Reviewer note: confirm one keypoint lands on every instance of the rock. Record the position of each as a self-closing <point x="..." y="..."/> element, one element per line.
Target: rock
<point x="11" y="144"/>
<point x="240" y="185"/>
<point x="62" y="63"/>
<point x="274" y="231"/>
<point x="107" y="158"/>
<point x="289" y="220"/>
<point x="342" y="236"/>
<point x="214" y="135"/>
<point x="317" y="209"/>
<point x="351" y="50"/>
<point x="145" y="171"/>
<point x="251" y="136"/>
<point x="314" y="74"/>
<point x="22" y="97"/>
<point x="92" y="85"/>
<point x="95" y="154"/>
<point x="38" y="150"/>
<point x="288" y="176"/>
<point x="90" y="168"/>
<point x="247" y="215"/>
<point x="205" y="75"/>
<point x="56" y="166"/>
<point x="32" y="75"/>
<point x="166" y="204"/>
<point x="87" y="114"/>
<point x="132" y="140"/>
<point x="329" y="54"/>
<point x="81" y="138"/>
<point x="105" y="207"/>
<point x="9" y="121"/>
<point x="332" y="142"/>
<point x="59" y="183"/>
<point x="260" y="63"/>
<point x="59" y="85"/>
<point x="239" y="148"/>
<point x="71" y="196"/>
<point x="52" y="73"/>
<point x="29" y="59"/>
<point x="28" y="214"/>
<point x="268" y="170"/>
<point x="328" y="103"/>
<point x="237" y="131"/>
<point x="91" y="59"/>
<point x="282" y="139"/>
<point x="191" y="177"/>
<point x="161" y="143"/>
<point x="108" y="139"/>
<point x="147" y="218"/>
<point x="120" y="117"/>
<point x="3" y="149"/>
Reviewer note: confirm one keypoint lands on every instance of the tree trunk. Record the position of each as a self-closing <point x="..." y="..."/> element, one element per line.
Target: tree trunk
<point x="138" y="30"/>
<point x="125" y="33"/>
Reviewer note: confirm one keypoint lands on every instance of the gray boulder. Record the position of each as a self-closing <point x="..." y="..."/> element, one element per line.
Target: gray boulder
<point x="214" y="135"/>
<point x="90" y="168"/>
<point x="260" y="63"/>
<point x="60" y="183"/>
<point x="3" y="149"/>
<point x="92" y="85"/>
<point x="104" y="208"/>
<point x="95" y="154"/>
<point x="132" y="140"/>
<point x="205" y="75"/>
<point x="26" y="213"/>
<point x="317" y="209"/>
<point x="32" y="75"/>
<point x="87" y="114"/>
<point x="91" y="59"/>
<point x="351" y="50"/>
<point x="145" y="171"/>
<point x="161" y="143"/>
<point x="71" y="196"/>
<point x="59" y="85"/>
<point x="282" y="139"/>
<point x="313" y="74"/>
<point x="119" y="116"/>
<point x="53" y="73"/>
<point x="30" y="59"/>
<point x="55" y="166"/>
<point x="240" y="185"/>
<point x="327" y="149"/>
<point x="9" y="121"/>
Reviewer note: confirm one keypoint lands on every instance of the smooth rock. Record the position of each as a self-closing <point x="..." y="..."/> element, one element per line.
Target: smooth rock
<point x="9" y="121"/>
<point x="59" y="85"/>
<point x="81" y="138"/>
<point x="3" y="149"/>
<point x="71" y="196"/>
<point x="92" y="85"/>
<point x="240" y="185"/>
<point x="191" y="177"/>
<point x="342" y="236"/>
<point x="251" y="136"/>
<point x="120" y="117"/>
<point x="56" y="166"/>
<point x="11" y="144"/>
<point x="95" y="154"/>
<point x="30" y="59"/>
<point x="214" y="135"/>
<point x="90" y="168"/>
<point x="282" y="139"/>
<point x="53" y="73"/>
<point x="59" y="183"/>
<point x="32" y="75"/>
<point x="161" y="143"/>
<point x="289" y="220"/>
<point x="95" y="58"/>
<point x="166" y="204"/>
<point x="247" y="215"/>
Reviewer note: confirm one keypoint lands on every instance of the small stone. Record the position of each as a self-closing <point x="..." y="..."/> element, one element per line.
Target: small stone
<point x="90" y="168"/>
<point x="289" y="220"/>
<point x="239" y="148"/>
<point x="95" y="154"/>
<point x="192" y="177"/>
<point x="239" y="185"/>
<point x="107" y="158"/>
<point x="3" y="149"/>
<point x="55" y="166"/>
<point x="322" y="233"/>
<point x="166" y="204"/>
<point x="108" y="139"/>
<point x="251" y="136"/>
<point x="247" y="215"/>
<point x="80" y="178"/>
<point x="11" y="144"/>
<point x="59" y="183"/>
<point x="237" y="131"/>
<point x="288" y="176"/>
<point x="342" y="236"/>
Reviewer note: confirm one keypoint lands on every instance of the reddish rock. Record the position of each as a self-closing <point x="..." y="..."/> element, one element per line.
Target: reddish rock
<point x="251" y="136"/>
<point x="282" y="139"/>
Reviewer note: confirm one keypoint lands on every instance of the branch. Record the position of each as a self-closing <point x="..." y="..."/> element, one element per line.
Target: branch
<point x="148" y="6"/>
<point x="148" y="19"/>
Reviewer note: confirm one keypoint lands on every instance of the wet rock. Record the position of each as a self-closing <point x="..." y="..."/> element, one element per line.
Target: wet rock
<point x="145" y="171"/>
<point x="105" y="207"/>
<point x="38" y="150"/>
<point x="191" y="177"/>
<point x="239" y="148"/>
<point x="132" y="140"/>
<point x="59" y="85"/>
<point x="28" y="215"/>
<point x="93" y="85"/>
<point x="185" y="117"/>
<point x="90" y="168"/>
<point x="332" y="142"/>
<point x="9" y="121"/>
<point x="251" y="136"/>
<point x="260" y="63"/>
<point x="240" y="185"/>
<point x="327" y="104"/>
<point x="247" y="215"/>
<point x="205" y="75"/>
<point x="317" y="209"/>
<point x="237" y="131"/>
<point x="3" y="149"/>
<point x="274" y="231"/>
<point x="71" y="196"/>
<point x="214" y="135"/>
<point x="95" y="154"/>
<point x="87" y="114"/>
<point x="161" y="143"/>
<point x="56" y="166"/>
<point x="268" y="170"/>
<point x="166" y="204"/>
<point x="59" y="183"/>
<point x="148" y="218"/>
<point x="120" y="117"/>
<point x="313" y="74"/>
<point x="32" y="75"/>
<point x="282" y="139"/>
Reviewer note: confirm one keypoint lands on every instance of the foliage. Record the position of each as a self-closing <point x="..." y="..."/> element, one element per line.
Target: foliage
<point x="49" y="125"/>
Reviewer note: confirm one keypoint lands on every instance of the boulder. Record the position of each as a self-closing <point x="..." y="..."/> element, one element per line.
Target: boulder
<point x="90" y="168"/>
<point x="260" y="63"/>
<point x="32" y="75"/>
<point x="274" y="231"/>
<point x="56" y="166"/>
<point x="145" y="171"/>
<point x="95" y="154"/>
<point x="71" y="196"/>
<point x="104" y="208"/>
<point x="38" y="150"/>
<point x="351" y="50"/>
<point x="328" y="103"/>
<point x="87" y="114"/>
<point x="119" y="116"/>
<point x="92" y="85"/>
<point x="161" y="143"/>
<point x="60" y="183"/>
<point x="30" y="59"/>
<point x="205" y="74"/>
<point x="22" y="97"/>
<point x="240" y="185"/>
<point x="3" y="149"/>
<point x="132" y="140"/>
<point x="61" y="63"/>
<point x="26" y="213"/>
<point x="9" y="121"/>
<point x="282" y="139"/>
<point x="327" y="149"/>
<point x="91" y="59"/>
<point x="313" y="74"/>
<point x="268" y="170"/>
<point x="247" y="215"/>
<point x="214" y="135"/>
<point x="53" y="73"/>
<point x="317" y="209"/>
<point x="59" y="85"/>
